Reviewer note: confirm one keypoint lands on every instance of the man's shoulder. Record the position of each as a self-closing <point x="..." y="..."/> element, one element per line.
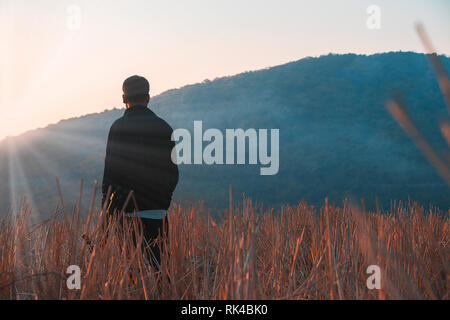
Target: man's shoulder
<point x="116" y="123"/>
<point x="155" y="122"/>
<point x="159" y="122"/>
<point x="163" y="124"/>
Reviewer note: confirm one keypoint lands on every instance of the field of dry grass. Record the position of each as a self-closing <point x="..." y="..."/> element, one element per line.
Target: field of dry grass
<point x="294" y="253"/>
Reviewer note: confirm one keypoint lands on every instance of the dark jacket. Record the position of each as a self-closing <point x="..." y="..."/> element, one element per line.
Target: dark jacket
<point x="138" y="158"/>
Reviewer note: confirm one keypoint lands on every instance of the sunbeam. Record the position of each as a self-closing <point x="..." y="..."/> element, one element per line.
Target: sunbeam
<point x="30" y="91"/>
<point x="20" y="191"/>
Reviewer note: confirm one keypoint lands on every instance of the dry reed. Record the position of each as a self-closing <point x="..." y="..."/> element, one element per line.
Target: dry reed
<point x="294" y="253"/>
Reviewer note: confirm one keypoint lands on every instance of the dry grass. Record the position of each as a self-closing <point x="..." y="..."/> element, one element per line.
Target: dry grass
<point x="296" y="253"/>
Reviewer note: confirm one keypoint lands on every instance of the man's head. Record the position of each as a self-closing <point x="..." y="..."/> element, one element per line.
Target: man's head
<point x="136" y="91"/>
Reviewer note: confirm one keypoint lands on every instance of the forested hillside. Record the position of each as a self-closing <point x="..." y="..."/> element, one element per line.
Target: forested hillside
<point x="336" y="137"/>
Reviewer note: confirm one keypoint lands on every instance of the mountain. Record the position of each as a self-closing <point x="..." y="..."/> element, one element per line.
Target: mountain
<point x="336" y="138"/>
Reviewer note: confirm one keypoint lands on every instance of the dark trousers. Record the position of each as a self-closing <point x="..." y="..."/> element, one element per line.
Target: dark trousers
<point x="151" y="229"/>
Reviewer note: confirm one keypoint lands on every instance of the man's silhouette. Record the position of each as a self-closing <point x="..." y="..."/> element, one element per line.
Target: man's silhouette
<point x="138" y="159"/>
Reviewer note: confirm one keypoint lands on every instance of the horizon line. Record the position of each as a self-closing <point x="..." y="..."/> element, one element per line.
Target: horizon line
<point x="4" y="138"/>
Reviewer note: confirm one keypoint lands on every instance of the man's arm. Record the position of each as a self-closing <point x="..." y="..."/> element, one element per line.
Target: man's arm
<point x="107" y="179"/>
<point x="174" y="177"/>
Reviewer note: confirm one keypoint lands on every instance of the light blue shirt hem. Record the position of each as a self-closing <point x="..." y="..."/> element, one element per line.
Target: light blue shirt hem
<point x="148" y="214"/>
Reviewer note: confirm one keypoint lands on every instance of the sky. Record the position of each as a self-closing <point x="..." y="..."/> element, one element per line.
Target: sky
<point x="60" y="59"/>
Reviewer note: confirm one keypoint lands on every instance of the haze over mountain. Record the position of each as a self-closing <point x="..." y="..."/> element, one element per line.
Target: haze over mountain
<point x="336" y="138"/>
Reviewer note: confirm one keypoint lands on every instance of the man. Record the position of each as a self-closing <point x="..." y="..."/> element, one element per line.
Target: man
<point x="138" y="159"/>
